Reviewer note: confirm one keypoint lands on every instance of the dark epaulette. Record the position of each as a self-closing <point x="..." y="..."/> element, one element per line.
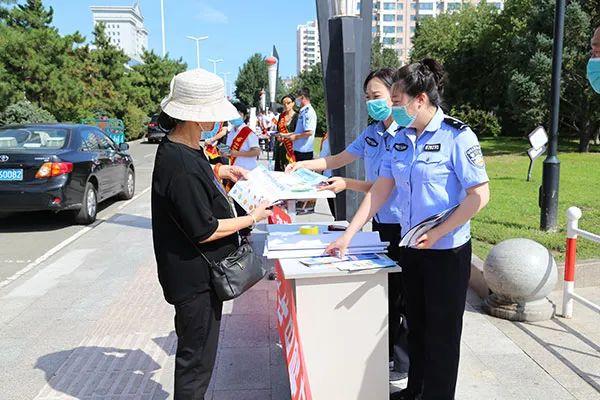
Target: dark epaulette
<point x="456" y="124"/>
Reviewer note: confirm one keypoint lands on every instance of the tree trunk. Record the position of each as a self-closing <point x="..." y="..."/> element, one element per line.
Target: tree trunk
<point x="585" y="134"/>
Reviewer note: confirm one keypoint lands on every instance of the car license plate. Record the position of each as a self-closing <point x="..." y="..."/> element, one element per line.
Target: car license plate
<point x="11" y="175"/>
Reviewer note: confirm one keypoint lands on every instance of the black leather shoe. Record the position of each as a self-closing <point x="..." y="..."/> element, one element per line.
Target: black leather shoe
<point x="405" y="394"/>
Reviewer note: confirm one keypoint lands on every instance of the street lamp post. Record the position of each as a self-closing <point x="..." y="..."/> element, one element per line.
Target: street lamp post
<point x="214" y="63"/>
<point x="225" y="75"/>
<point x="197" y="40"/>
<point x="551" y="171"/>
<point x="345" y="57"/>
<point x="162" y="22"/>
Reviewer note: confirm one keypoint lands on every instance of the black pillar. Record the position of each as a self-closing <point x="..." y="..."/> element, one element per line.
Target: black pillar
<point x="346" y="55"/>
<point x="551" y="172"/>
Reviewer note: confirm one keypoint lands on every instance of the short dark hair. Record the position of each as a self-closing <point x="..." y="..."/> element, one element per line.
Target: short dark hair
<point x="166" y="123"/>
<point x="426" y="76"/>
<point x="288" y="96"/>
<point x="241" y="107"/>
<point x="303" y="92"/>
<point x="386" y="75"/>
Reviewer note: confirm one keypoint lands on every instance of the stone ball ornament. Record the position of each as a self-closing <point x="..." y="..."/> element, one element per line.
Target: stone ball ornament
<point x="520" y="274"/>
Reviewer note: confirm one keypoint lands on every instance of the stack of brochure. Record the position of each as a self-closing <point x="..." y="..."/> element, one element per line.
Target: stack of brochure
<point x="263" y="185"/>
<point x="302" y="246"/>
<point x="350" y="263"/>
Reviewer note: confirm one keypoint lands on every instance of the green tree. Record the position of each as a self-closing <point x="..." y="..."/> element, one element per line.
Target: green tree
<point x="31" y="15"/>
<point x="24" y="112"/>
<point x="252" y="77"/>
<point x="501" y="63"/>
<point x="383" y="56"/>
<point x="156" y="73"/>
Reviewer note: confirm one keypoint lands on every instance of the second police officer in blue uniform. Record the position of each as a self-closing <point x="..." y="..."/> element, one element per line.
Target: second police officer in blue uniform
<point x="372" y="145"/>
<point x="436" y="163"/>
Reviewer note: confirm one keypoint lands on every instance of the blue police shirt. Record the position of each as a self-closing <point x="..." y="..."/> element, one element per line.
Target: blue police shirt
<point x="372" y="145"/>
<point x="432" y="172"/>
<point x="307" y="121"/>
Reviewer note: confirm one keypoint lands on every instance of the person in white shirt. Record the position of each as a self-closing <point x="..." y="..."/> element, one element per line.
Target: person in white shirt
<point x="243" y="143"/>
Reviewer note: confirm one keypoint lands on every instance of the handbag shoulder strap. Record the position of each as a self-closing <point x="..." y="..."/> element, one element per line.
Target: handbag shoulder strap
<point x="187" y="237"/>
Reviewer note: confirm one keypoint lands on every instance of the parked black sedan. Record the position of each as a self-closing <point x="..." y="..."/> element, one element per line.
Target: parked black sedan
<point x="62" y="167"/>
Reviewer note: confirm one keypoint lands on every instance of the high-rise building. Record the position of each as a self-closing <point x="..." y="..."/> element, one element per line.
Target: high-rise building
<point x="436" y="7"/>
<point x="394" y="23"/>
<point x="308" y="50"/>
<point x="124" y="28"/>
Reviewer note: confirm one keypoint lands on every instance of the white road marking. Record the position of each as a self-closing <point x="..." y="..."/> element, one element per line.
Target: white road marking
<point x="149" y="155"/>
<point x="65" y="243"/>
<point x="48" y="277"/>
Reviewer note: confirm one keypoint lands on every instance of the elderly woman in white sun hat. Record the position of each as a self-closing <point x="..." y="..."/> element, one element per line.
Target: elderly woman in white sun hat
<point x="191" y="214"/>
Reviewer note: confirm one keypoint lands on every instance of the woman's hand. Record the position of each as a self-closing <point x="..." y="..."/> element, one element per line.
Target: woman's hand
<point x="291" y="167"/>
<point x="210" y="141"/>
<point x="427" y="240"/>
<point x="233" y="173"/>
<point x="262" y="211"/>
<point x="338" y="247"/>
<point x="336" y="184"/>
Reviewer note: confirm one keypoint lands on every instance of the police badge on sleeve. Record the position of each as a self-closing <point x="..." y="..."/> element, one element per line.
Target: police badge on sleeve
<point x="475" y="156"/>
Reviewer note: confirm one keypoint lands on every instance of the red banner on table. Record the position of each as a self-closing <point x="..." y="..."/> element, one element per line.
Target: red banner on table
<point x="287" y="326"/>
<point x="279" y="216"/>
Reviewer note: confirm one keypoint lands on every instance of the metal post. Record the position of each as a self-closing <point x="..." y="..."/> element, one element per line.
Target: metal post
<point x="162" y="22"/>
<point x="551" y="171"/>
<point x="345" y="56"/>
<point x="573" y="216"/>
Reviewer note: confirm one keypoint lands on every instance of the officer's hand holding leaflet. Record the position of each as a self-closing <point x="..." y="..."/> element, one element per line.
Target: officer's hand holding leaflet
<point x="477" y="198"/>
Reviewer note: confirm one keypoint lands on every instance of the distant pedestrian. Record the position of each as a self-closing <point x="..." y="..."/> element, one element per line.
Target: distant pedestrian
<point x="304" y="134"/>
<point x="284" y="147"/>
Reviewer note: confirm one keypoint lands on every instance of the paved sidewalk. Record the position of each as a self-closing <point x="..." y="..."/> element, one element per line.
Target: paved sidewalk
<point x="91" y="323"/>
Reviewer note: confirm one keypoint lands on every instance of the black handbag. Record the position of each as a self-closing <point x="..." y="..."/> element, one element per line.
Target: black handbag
<point x="234" y="274"/>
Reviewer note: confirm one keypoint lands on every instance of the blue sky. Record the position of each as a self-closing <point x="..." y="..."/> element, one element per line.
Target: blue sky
<point x="236" y="28"/>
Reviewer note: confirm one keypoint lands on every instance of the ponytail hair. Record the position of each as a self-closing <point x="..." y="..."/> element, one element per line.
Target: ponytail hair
<point x="426" y="76"/>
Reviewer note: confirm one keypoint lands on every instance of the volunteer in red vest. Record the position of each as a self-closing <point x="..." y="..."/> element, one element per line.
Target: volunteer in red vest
<point x="243" y="143"/>
<point x="284" y="148"/>
<point x="244" y="153"/>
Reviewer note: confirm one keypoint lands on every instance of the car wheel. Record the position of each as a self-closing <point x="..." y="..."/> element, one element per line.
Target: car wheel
<point x="89" y="206"/>
<point x="129" y="188"/>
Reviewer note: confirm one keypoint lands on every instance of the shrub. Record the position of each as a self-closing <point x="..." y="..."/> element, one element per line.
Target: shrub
<point x="483" y="123"/>
<point x="135" y="120"/>
<point x="25" y="112"/>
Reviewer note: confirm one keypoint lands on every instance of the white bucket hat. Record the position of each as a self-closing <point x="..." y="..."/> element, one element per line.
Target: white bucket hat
<point x="198" y="95"/>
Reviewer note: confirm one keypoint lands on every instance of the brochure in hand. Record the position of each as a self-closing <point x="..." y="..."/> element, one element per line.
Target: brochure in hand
<point x="411" y="237"/>
<point x="272" y="186"/>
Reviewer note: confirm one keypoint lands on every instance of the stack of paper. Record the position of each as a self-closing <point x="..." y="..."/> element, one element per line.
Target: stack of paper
<point x="301" y="246"/>
<point x="263" y="185"/>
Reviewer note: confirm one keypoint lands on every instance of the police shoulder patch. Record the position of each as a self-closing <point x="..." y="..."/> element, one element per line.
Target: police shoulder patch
<point x="400" y="146"/>
<point x="371" y="142"/>
<point x="456" y="124"/>
<point x="475" y="156"/>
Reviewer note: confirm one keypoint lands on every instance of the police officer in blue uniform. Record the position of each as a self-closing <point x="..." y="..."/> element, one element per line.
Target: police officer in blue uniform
<point x="372" y="145"/>
<point x="436" y="163"/>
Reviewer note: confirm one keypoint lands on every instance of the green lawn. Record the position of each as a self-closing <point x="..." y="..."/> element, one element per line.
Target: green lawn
<point x="513" y="210"/>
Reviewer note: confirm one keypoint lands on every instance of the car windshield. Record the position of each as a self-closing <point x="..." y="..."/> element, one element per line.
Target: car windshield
<point x="33" y="138"/>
